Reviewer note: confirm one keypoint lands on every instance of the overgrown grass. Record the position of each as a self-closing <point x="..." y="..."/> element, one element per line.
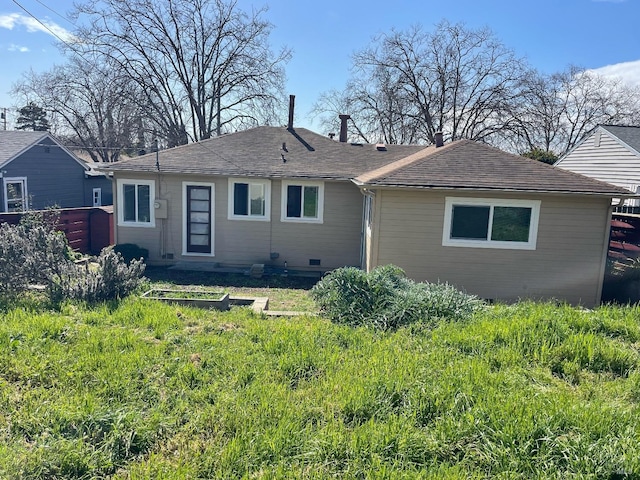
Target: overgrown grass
<point x="284" y="293"/>
<point x="139" y="389"/>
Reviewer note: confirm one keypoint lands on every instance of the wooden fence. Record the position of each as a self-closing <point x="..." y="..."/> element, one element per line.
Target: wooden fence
<point x="624" y="242"/>
<point x="88" y="229"/>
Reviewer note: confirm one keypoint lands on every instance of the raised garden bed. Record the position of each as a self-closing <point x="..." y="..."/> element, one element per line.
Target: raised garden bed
<point x="191" y="298"/>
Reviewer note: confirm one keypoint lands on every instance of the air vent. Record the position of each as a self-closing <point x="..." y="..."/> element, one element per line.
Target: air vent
<point x="314" y="262"/>
<point x="381" y="147"/>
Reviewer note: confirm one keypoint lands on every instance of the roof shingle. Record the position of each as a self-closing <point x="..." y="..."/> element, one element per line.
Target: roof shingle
<point x="274" y="152"/>
<point x="466" y="164"/>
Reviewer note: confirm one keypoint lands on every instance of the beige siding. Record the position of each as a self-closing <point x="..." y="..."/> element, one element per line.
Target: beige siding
<point x="567" y="263"/>
<point x="335" y="242"/>
<point x="610" y="161"/>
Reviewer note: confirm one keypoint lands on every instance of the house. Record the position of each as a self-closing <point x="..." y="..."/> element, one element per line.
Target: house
<point x="610" y="153"/>
<point x="498" y="225"/>
<point x="290" y="198"/>
<point x="37" y="172"/>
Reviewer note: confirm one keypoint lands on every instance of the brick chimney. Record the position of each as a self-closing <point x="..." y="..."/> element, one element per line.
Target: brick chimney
<point x="343" y="127"/>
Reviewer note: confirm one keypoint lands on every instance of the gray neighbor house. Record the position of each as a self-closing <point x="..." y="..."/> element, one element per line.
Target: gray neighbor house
<point x="38" y="172"/>
<point x="494" y="224"/>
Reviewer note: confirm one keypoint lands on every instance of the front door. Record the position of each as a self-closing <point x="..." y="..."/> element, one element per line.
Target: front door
<point x="199" y="217"/>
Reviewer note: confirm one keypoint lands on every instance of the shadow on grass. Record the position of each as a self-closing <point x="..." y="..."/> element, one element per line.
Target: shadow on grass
<point x="182" y="277"/>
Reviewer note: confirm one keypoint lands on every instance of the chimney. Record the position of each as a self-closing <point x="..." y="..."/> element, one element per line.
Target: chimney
<point x="438" y="138"/>
<point x="343" y="127"/>
<point x="292" y="104"/>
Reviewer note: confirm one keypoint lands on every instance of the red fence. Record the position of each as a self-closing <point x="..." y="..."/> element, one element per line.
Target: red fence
<point x="88" y="230"/>
<point x="624" y="242"/>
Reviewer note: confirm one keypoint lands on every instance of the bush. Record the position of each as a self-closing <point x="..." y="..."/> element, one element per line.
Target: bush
<point x="33" y="252"/>
<point x="110" y="278"/>
<point x="131" y="251"/>
<point x="387" y="299"/>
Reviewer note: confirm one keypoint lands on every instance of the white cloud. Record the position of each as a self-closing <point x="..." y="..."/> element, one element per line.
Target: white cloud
<point x="17" y="48"/>
<point x="12" y="20"/>
<point x="628" y="72"/>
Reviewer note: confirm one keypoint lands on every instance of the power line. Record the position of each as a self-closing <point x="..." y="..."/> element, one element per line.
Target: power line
<point x="56" y="13"/>
<point x="44" y="25"/>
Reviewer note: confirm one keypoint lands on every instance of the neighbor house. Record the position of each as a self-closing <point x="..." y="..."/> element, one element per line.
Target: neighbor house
<point x="37" y="172"/>
<point x="498" y="225"/>
<point x="610" y="153"/>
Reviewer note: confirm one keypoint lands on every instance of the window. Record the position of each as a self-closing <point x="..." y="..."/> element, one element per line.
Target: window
<point x="302" y="202"/>
<point x="15" y="194"/>
<point x="491" y="223"/>
<point x="97" y="197"/>
<point x="135" y="204"/>
<point x="249" y="199"/>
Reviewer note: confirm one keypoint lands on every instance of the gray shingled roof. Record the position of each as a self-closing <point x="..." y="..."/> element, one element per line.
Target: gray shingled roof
<point x="628" y="135"/>
<point x="13" y="142"/>
<point x="466" y="164"/>
<point x="259" y="152"/>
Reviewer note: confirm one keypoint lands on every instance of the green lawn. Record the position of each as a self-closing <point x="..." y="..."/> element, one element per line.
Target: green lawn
<point x="144" y="390"/>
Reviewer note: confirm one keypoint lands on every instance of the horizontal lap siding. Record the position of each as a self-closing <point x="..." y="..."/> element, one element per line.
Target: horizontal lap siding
<point x="566" y="263"/>
<point x="610" y="162"/>
<point x="53" y="178"/>
<point x="335" y="242"/>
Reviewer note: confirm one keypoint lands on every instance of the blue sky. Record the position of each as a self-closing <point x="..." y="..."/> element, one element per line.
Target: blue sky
<point x="551" y="34"/>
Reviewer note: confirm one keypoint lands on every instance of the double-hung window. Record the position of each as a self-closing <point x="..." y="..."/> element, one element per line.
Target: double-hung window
<point x="136" y="199"/>
<point x="249" y="199"/>
<point x="302" y="201"/>
<point x="491" y="223"/>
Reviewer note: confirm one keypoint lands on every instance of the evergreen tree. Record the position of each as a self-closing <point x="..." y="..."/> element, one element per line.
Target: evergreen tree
<point x="32" y="117"/>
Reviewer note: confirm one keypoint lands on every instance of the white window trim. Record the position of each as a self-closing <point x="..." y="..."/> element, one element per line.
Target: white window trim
<point x="25" y="193"/>
<point x="534" y="205"/>
<point x="184" y="219"/>
<point x="152" y="198"/>
<point x="303" y="183"/>
<point x="267" y="200"/>
<point x="97" y="197"/>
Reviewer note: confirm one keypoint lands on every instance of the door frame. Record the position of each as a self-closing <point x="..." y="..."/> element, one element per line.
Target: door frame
<point x="185" y="218"/>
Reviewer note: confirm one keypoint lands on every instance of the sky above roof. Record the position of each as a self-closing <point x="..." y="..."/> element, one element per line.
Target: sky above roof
<point x="551" y="34"/>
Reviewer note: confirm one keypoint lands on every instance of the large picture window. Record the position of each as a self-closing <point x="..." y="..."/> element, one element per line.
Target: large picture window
<point x="302" y="202"/>
<point x="249" y="199"/>
<point x="491" y="223"/>
<point x="136" y="199"/>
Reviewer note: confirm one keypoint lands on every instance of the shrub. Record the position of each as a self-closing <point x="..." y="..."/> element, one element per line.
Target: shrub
<point x="131" y="251"/>
<point x="387" y="299"/>
<point x="33" y="252"/>
<point x="110" y="278"/>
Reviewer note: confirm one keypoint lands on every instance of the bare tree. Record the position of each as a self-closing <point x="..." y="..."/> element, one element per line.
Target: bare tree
<point x="93" y="106"/>
<point x="204" y="66"/>
<point x="407" y="86"/>
<point x="557" y="111"/>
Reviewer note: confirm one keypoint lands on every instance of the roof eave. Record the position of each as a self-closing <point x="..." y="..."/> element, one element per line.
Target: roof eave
<point x="490" y="189"/>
